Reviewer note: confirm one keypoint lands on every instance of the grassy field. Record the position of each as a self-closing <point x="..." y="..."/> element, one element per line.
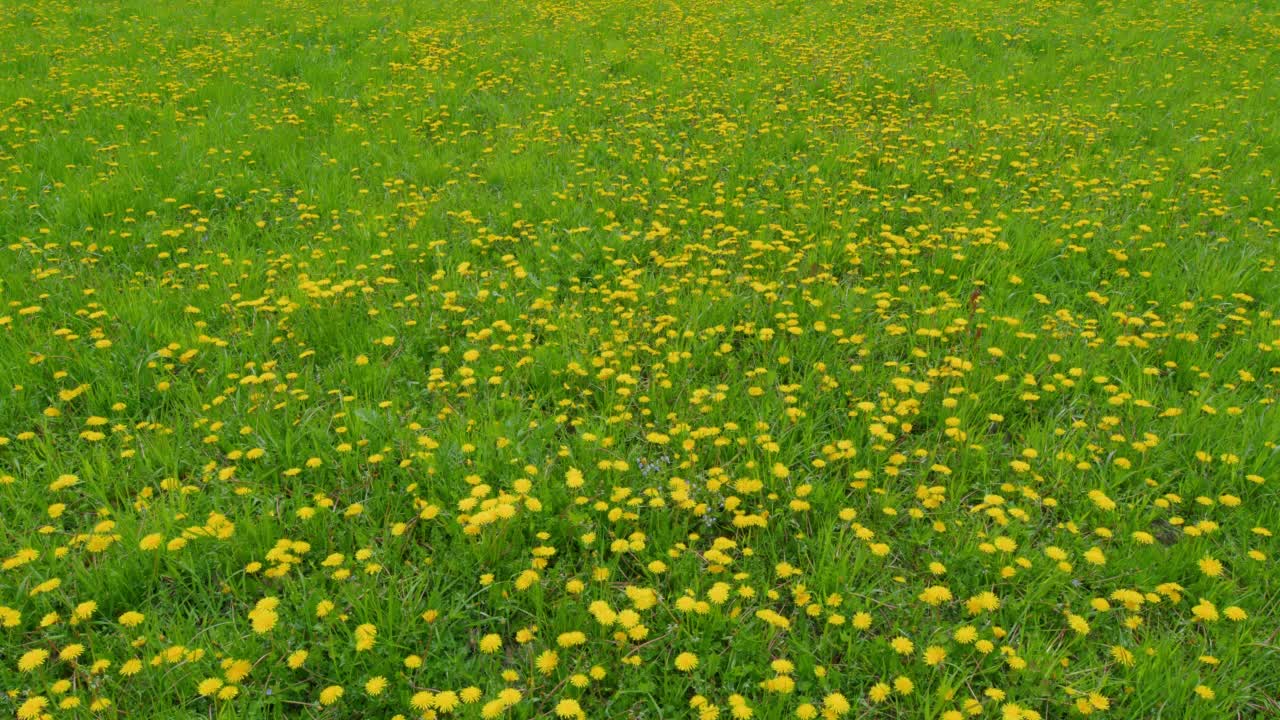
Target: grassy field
<point x="636" y="359"/>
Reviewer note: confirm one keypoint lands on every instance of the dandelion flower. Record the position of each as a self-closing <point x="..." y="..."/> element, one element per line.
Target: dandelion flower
<point x="32" y="659"/>
<point x="490" y="643"/>
<point x="331" y="694"/>
<point x="686" y="662"/>
<point x="568" y="708"/>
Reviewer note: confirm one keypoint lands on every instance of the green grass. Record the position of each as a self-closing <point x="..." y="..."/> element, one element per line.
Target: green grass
<point x="826" y="303"/>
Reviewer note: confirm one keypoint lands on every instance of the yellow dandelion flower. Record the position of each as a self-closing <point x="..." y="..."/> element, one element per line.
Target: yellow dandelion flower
<point x="490" y="643"/>
<point x="686" y="662"/>
<point x="331" y="694"/>
<point x="568" y="708"/>
<point x="32" y="659"/>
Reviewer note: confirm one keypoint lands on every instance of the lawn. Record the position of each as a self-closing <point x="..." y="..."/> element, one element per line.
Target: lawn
<point x="596" y="359"/>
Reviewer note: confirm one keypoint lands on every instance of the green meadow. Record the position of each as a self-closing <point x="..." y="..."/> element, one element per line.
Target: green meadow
<point x="595" y="359"/>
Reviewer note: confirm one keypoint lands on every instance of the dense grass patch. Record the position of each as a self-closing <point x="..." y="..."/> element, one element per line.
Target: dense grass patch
<point x="639" y="359"/>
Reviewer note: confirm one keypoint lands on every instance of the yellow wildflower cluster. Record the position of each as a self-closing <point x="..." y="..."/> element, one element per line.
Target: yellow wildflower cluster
<point x="603" y="359"/>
